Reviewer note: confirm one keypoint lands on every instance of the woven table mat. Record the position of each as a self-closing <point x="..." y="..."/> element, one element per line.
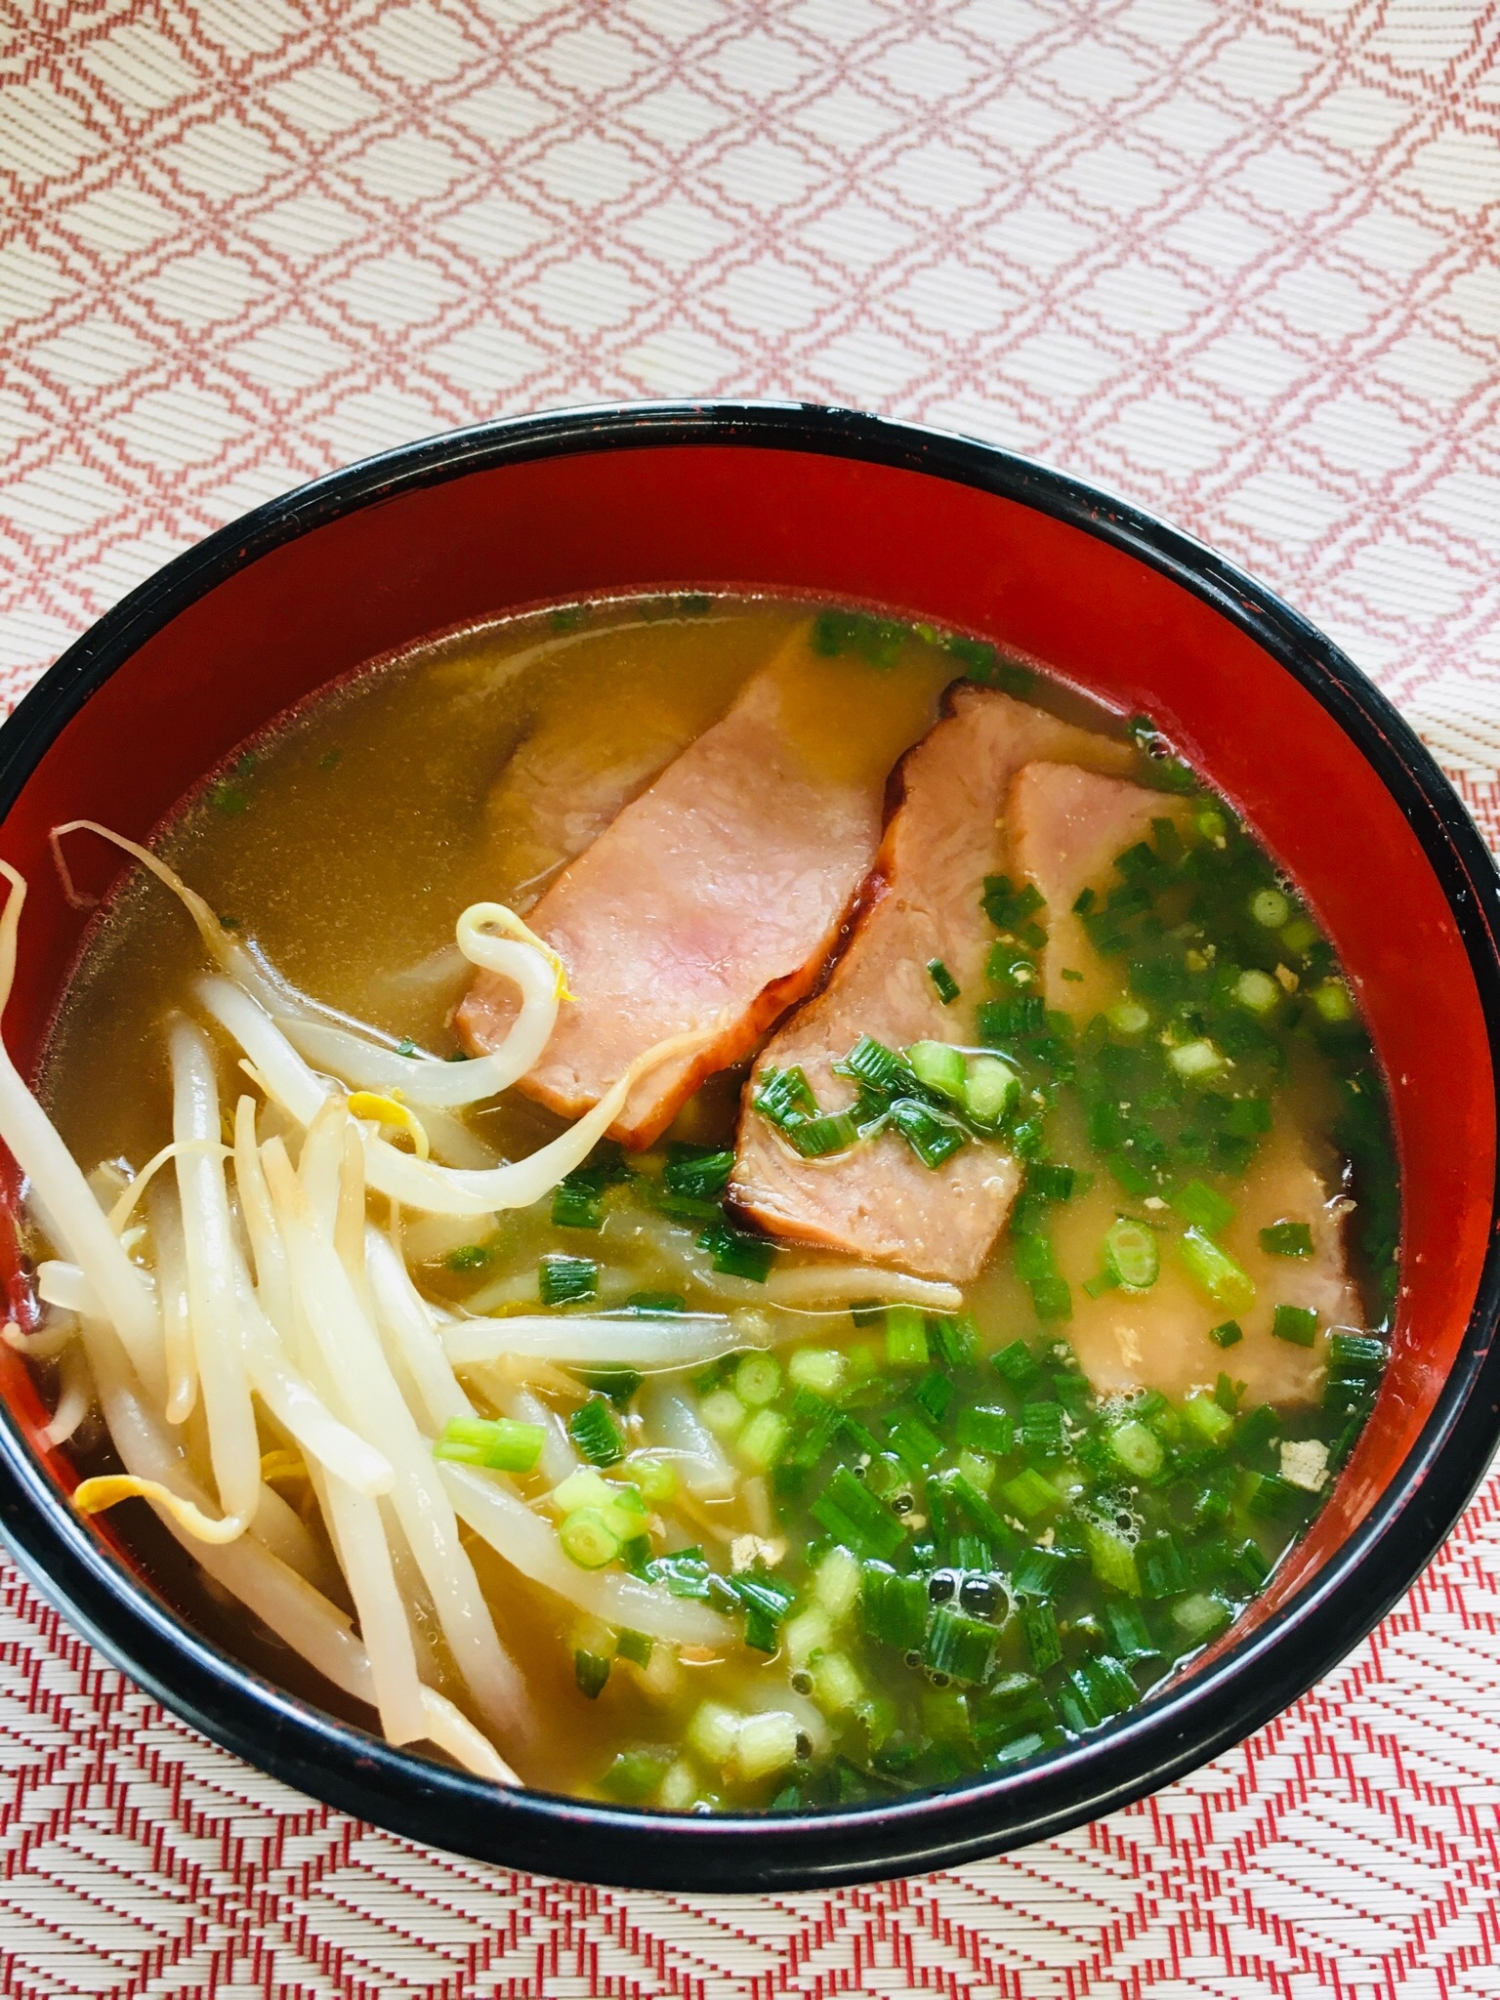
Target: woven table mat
<point x="1235" y="261"/>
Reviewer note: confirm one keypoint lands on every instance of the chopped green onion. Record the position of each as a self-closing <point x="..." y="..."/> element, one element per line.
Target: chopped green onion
<point x="1199" y="1617"/>
<point x="469" y="1257"/>
<point x="766" y="1602"/>
<point x="1256" y="1429"/>
<point x="1228" y="1334"/>
<point x="1195" y="1059"/>
<point x="591" y="1671"/>
<point x="1298" y="1324"/>
<point x="1287" y="1239"/>
<point x="930" y="1137"/>
<point x="1039" y="1625"/>
<point x="1008" y="907"/>
<point x="1162" y="1567"/>
<point x="685" y="1573"/>
<point x="759" y="1443"/>
<point x="1129" y="1017"/>
<point x="1009" y="968"/>
<point x="955" y="1337"/>
<point x="990" y="1087"/>
<point x="498" y="1443"/>
<point x="1202" y="1206"/>
<point x="575" y="1207"/>
<point x="1276" y="1499"/>
<point x="635" y="1774"/>
<point x="852" y="1514"/>
<point x="1017" y="1364"/>
<point x="655" y="1302"/>
<point x="820" y="1369"/>
<point x="1248" y="1117"/>
<point x="878" y="641"/>
<point x="987" y="1430"/>
<point x="698" y="1174"/>
<point x="934" y="1392"/>
<point x="1212" y="1423"/>
<point x="587" y="1539"/>
<point x="1332" y="1001"/>
<point x="1129" y="1630"/>
<point x="656" y="1477"/>
<point x="637" y="1647"/>
<point x="1257" y="991"/>
<point x="736" y="1254"/>
<point x="905" y="1337"/>
<point x="966" y="1495"/>
<point x="1216" y="1272"/>
<point x="1356" y="1353"/>
<point x="685" y="1207"/>
<point x="1105" y="1686"/>
<point x="784" y="1096"/>
<point x="1040" y="1572"/>
<point x="875" y="1066"/>
<point x="1044" y="1435"/>
<point x="619" y="1384"/>
<point x="1112" y="1558"/>
<point x="757" y="1379"/>
<point x="1034" y="1263"/>
<point x="1270" y="909"/>
<point x="816" y="1138"/>
<point x="1137" y="1448"/>
<point x="915" y="1444"/>
<point x="1131" y="1256"/>
<point x="723" y="1412"/>
<point x="562" y="1281"/>
<point x="959" y="1646"/>
<point x="893" y="1608"/>
<point x="1251" y="1564"/>
<point x="1029" y="1495"/>
<point x="939" y="1066"/>
<point x="592" y="1429"/>
<point x="947" y="986"/>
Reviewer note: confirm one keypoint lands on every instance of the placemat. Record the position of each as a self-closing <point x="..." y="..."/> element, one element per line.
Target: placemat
<point x="1236" y="261"/>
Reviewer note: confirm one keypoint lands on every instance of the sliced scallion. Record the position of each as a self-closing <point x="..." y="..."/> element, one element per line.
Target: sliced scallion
<point x="784" y="1096"/>
<point x="939" y="1066"/>
<point x="990" y="1088"/>
<point x="946" y="985"/>
<point x="592" y="1429"/>
<point x="563" y="1281"/>
<point x="1212" y="1268"/>
<point x="816" y="1138"/>
<point x="1131" y="1255"/>
<point x="1297" y="1324"/>
<point x="587" y="1539"/>
<point x="931" y="1138"/>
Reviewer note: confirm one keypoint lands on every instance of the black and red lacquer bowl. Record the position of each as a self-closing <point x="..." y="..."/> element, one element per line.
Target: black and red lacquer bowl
<point x="829" y="504"/>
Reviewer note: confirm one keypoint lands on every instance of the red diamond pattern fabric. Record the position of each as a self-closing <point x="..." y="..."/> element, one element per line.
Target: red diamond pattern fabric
<point x="1235" y="260"/>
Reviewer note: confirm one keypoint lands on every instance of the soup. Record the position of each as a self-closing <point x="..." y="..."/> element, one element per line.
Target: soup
<point x="711" y="1202"/>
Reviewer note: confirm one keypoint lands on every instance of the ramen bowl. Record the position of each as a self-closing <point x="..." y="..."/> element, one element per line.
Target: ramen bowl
<point x="804" y="503"/>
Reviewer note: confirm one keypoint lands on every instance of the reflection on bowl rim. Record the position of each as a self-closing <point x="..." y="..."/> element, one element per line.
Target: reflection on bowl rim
<point x="1194" y="1717"/>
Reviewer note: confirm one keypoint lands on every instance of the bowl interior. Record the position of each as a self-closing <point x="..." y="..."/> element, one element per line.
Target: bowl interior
<point x="757" y="518"/>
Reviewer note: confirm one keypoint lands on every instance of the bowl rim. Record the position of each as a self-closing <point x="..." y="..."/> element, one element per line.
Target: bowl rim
<point x="1188" y="1723"/>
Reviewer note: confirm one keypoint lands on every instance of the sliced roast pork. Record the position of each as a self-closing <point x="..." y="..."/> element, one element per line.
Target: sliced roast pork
<point x="923" y="904"/>
<point x="712" y="901"/>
